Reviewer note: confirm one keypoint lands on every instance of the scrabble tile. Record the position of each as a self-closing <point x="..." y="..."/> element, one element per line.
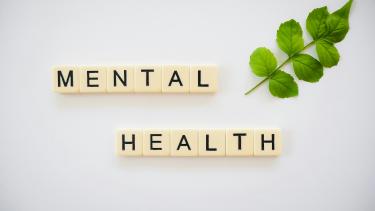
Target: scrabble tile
<point x="203" y="78"/>
<point x="184" y="143"/>
<point x="267" y="142"/>
<point x="120" y="79"/>
<point x="93" y="79"/>
<point x="176" y="79"/>
<point x="156" y="143"/>
<point x="211" y="142"/>
<point x="239" y="142"/>
<point x="147" y="78"/>
<point x="65" y="79"/>
<point x="129" y="142"/>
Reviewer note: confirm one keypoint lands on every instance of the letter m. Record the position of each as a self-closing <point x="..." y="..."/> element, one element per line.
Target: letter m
<point x="61" y="79"/>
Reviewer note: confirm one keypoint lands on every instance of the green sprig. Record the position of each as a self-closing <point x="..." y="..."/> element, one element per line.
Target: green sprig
<point x="326" y="29"/>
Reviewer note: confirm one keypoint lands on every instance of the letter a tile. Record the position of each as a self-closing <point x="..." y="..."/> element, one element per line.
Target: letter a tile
<point x="184" y="143"/>
<point x="176" y="79"/>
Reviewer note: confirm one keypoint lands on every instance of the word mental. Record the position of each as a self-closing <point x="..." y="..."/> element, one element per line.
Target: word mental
<point x="136" y="78"/>
<point x="211" y="142"/>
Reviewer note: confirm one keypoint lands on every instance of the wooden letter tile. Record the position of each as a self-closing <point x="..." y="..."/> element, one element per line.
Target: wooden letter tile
<point x="267" y="142"/>
<point x="184" y="143"/>
<point x="175" y="79"/>
<point x="211" y="142"/>
<point x="203" y="78"/>
<point x="239" y="142"/>
<point x="147" y="78"/>
<point x="129" y="142"/>
<point x="93" y="79"/>
<point x="120" y="79"/>
<point x="156" y="143"/>
<point x="65" y="79"/>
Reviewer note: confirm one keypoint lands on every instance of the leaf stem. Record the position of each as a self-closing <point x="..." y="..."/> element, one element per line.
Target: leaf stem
<point x="279" y="67"/>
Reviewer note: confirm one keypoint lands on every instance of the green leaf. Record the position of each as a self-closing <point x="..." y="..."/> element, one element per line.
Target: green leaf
<point x="307" y="68"/>
<point x="327" y="53"/>
<point x="262" y="62"/>
<point x="338" y="23"/>
<point x="283" y="85"/>
<point x="289" y="37"/>
<point x="326" y="29"/>
<point x="337" y="28"/>
<point x="316" y="22"/>
<point x="344" y="10"/>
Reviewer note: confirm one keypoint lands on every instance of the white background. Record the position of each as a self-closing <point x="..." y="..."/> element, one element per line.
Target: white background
<point x="57" y="151"/>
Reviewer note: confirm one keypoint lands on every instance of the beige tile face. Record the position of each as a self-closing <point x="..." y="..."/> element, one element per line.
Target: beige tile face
<point x="239" y="142"/>
<point x="93" y="79"/>
<point x="65" y="79"/>
<point x="175" y="79"/>
<point x="129" y="143"/>
<point x="120" y="79"/>
<point x="203" y="78"/>
<point x="267" y="142"/>
<point x="156" y="143"/>
<point x="211" y="142"/>
<point x="184" y="143"/>
<point x="147" y="78"/>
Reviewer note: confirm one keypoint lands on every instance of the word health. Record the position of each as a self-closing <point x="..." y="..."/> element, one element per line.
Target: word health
<point x="208" y="142"/>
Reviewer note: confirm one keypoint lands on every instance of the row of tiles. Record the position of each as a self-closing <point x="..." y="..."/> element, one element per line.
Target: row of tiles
<point x="136" y="78"/>
<point x="210" y="142"/>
